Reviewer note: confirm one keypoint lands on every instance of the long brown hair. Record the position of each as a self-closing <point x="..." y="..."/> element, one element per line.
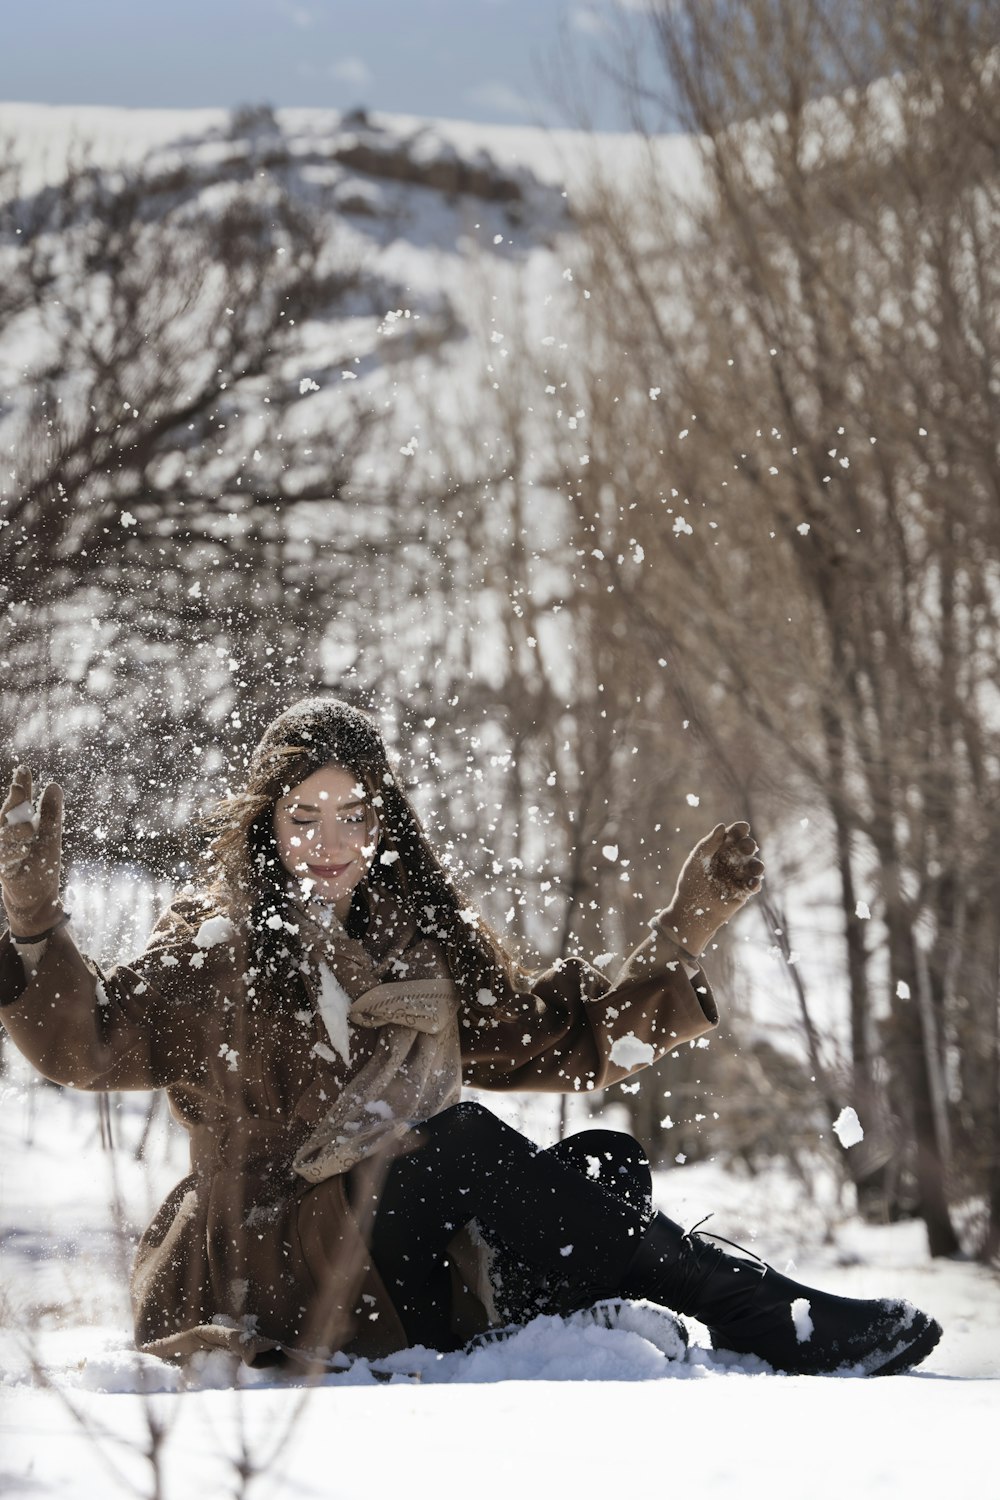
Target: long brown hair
<point x="252" y="885"/>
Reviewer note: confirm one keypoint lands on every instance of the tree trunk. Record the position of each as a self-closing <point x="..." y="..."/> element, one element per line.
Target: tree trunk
<point x="990" y="1250"/>
<point x="916" y="1050"/>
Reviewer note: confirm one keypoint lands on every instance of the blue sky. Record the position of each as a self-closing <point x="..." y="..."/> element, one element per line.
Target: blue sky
<point x="488" y="60"/>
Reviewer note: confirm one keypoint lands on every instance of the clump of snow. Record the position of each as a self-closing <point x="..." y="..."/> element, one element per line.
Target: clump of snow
<point x="214" y="930"/>
<point x="847" y="1127"/>
<point x="629" y="1052"/>
<point x="803" y="1322"/>
<point x="610" y="851"/>
<point x="547" y="1348"/>
<point x="24" y="812"/>
<point x="863" y="911"/>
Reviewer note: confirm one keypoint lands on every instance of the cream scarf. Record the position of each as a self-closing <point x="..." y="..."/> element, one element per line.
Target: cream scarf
<point x="415" y="1070"/>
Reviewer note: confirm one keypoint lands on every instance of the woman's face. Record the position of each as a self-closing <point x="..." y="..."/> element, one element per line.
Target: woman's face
<point x="326" y="834"/>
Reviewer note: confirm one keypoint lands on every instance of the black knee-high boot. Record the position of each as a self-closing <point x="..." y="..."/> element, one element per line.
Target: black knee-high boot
<point x="752" y="1309"/>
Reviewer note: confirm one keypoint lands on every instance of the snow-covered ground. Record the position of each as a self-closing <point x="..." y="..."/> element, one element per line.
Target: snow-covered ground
<point x="566" y="1407"/>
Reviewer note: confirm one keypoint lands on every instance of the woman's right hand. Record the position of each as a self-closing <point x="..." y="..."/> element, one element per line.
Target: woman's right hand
<point x="31" y="857"/>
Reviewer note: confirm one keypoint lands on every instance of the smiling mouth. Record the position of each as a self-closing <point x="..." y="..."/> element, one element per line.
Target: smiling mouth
<point x="328" y="872"/>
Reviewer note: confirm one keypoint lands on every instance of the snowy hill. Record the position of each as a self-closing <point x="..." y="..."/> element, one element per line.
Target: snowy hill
<point x="42" y="135"/>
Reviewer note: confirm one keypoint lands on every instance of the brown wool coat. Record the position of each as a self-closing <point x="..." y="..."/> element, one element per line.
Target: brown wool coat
<point x="245" y="1254"/>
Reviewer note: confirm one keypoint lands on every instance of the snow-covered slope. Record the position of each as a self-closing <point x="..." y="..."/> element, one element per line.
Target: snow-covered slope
<point x="44" y="134"/>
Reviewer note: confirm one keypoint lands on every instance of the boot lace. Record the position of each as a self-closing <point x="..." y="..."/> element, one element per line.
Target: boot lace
<point x="703" y="1258"/>
<point x="710" y="1234"/>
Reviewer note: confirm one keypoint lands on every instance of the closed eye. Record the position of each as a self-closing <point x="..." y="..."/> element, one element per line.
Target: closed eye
<point x="351" y="818"/>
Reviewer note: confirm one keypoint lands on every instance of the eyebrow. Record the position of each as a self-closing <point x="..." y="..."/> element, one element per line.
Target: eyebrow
<point x="313" y="807"/>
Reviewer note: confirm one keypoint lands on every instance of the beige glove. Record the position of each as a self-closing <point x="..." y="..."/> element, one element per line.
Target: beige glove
<point x="31" y="858"/>
<point x="719" y="876"/>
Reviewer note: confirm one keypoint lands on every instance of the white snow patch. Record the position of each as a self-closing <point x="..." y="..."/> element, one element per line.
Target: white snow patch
<point x="629" y="1052"/>
<point x="610" y="851"/>
<point x="214" y="930"/>
<point x="24" y="812"/>
<point x="334" y="1007"/>
<point x="863" y="911"/>
<point x="803" y="1322"/>
<point x="847" y="1127"/>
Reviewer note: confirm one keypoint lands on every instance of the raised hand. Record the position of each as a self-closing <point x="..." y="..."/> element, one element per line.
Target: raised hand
<point x="720" y="874"/>
<point x="31" y="857"/>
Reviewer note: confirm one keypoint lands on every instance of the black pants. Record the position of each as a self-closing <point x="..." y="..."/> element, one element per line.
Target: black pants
<point x="563" y="1223"/>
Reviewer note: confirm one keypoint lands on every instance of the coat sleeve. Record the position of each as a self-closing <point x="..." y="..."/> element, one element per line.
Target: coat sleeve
<point x="576" y="1029"/>
<point x="137" y="1026"/>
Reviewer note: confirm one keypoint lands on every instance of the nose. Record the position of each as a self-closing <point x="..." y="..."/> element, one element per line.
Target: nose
<point x="330" y="843"/>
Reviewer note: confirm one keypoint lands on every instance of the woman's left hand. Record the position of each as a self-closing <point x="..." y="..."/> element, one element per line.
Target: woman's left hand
<point x="720" y="874"/>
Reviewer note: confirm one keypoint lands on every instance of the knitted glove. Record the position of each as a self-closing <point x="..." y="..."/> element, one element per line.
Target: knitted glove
<point x="719" y="876"/>
<point x="31" y="858"/>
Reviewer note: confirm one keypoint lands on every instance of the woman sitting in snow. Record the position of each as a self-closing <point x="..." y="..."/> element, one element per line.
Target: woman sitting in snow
<point x="313" y="1017"/>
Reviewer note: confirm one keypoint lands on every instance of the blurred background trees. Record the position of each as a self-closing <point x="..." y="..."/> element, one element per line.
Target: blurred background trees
<point x="682" y="507"/>
<point x="807" y="356"/>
